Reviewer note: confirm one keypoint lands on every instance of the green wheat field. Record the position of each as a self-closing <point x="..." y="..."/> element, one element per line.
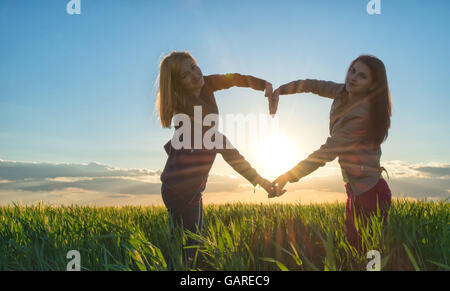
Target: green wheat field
<point x="234" y="237"/>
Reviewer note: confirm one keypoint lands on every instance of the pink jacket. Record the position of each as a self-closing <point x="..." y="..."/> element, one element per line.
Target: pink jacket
<point x="359" y="160"/>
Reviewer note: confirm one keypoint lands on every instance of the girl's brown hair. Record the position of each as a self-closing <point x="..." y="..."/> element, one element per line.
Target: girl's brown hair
<point x="379" y="98"/>
<point x="170" y="93"/>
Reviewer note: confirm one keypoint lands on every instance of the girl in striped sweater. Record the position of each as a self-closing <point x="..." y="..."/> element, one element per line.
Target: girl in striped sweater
<point x="359" y="123"/>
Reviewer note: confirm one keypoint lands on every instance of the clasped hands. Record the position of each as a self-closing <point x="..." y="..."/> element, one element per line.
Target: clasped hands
<point x="275" y="188"/>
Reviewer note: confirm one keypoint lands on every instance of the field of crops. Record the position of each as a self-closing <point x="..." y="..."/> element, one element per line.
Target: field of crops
<point x="234" y="237"/>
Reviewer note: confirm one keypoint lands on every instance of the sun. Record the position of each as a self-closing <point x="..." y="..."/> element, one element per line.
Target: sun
<point x="277" y="155"/>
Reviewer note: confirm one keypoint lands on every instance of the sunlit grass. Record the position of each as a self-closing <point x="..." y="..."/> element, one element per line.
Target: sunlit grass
<point x="234" y="237"/>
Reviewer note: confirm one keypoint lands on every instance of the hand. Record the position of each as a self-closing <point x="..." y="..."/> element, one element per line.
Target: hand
<point x="273" y="101"/>
<point x="268" y="90"/>
<point x="279" y="184"/>
<point x="269" y="187"/>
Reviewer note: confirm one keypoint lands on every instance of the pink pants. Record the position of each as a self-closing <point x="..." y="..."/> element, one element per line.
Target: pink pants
<point x="364" y="205"/>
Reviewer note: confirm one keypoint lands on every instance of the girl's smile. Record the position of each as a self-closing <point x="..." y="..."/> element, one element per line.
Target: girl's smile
<point x="191" y="77"/>
<point x="359" y="79"/>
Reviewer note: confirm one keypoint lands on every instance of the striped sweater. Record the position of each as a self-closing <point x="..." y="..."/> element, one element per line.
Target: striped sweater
<point x="359" y="160"/>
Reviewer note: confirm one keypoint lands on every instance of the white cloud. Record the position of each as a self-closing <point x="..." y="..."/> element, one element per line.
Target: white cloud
<point x="399" y="169"/>
<point x="102" y="184"/>
<point x="13" y="170"/>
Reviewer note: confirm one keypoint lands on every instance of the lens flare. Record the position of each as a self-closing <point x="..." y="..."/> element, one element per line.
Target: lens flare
<point x="277" y="154"/>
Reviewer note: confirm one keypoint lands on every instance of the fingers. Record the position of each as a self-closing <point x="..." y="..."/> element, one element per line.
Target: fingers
<point x="276" y="193"/>
<point x="269" y="187"/>
<point x="279" y="184"/>
<point x="273" y="102"/>
<point x="271" y="194"/>
<point x="281" y="193"/>
<point x="277" y="189"/>
<point x="276" y="92"/>
<point x="273" y="97"/>
<point x="269" y="90"/>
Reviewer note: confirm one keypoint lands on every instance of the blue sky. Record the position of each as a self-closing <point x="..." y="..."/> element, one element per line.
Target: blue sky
<point x="81" y="88"/>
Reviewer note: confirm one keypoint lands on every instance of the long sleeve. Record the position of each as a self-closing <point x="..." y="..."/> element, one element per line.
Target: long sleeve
<point x="322" y="88"/>
<point x="342" y="141"/>
<point x="220" y="82"/>
<point x="237" y="161"/>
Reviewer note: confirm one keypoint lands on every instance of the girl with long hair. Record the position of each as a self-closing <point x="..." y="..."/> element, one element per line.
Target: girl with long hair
<point x="359" y="123"/>
<point x="182" y="87"/>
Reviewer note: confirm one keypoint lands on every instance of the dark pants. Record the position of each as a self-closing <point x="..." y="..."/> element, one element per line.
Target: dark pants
<point x="365" y="205"/>
<point x="189" y="217"/>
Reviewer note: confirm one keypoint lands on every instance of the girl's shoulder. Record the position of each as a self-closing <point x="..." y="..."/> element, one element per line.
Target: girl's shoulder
<point x="357" y="107"/>
<point x="341" y="93"/>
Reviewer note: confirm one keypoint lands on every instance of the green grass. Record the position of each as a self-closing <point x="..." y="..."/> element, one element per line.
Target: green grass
<point x="234" y="237"/>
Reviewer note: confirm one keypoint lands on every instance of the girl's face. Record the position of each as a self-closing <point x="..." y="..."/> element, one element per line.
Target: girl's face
<point x="191" y="77"/>
<point x="359" y="79"/>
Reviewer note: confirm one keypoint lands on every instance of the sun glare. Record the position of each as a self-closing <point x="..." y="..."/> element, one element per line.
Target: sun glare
<point x="277" y="155"/>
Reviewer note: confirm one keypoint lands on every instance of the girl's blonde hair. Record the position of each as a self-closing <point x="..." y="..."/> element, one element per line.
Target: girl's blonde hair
<point x="170" y="93"/>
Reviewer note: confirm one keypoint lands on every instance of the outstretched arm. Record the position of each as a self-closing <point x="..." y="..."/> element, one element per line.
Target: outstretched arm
<point x="322" y="88"/>
<point x="220" y="82"/>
